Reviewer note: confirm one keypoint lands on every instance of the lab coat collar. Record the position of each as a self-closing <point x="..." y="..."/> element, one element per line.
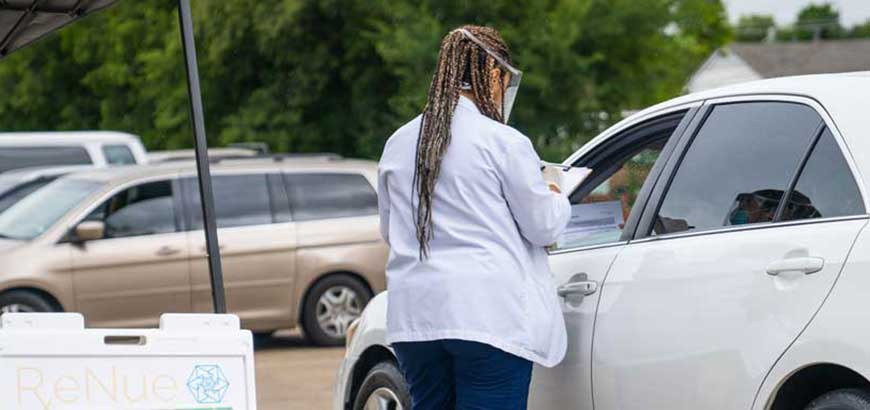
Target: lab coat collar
<point x="467" y="103"/>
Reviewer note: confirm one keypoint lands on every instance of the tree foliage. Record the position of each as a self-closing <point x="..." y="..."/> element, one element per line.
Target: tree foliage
<point x="754" y="27"/>
<point x="341" y="75"/>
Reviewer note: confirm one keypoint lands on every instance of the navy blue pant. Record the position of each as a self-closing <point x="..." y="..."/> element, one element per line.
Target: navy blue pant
<point x="463" y="375"/>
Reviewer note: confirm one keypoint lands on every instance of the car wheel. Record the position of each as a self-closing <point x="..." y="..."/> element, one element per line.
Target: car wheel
<point x="23" y="301"/>
<point x="332" y="304"/>
<point x="843" y="399"/>
<point x="384" y="388"/>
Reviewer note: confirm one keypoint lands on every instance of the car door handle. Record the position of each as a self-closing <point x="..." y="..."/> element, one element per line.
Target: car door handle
<point x="581" y="288"/>
<point x="804" y="264"/>
<point x="167" y="251"/>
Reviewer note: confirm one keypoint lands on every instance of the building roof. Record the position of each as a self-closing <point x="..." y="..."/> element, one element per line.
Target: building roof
<point x="799" y="58"/>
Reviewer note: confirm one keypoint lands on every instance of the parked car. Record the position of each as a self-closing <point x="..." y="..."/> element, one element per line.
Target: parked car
<point x="189" y="154"/>
<point x="18" y="183"/>
<point x="98" y="148"/>
<point x="730" y="268"/>
<point x="299" y="240"/>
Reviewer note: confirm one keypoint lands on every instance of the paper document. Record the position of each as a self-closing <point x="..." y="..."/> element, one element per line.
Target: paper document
<point x="590" y="224"/>
<point x="567" y="177"/>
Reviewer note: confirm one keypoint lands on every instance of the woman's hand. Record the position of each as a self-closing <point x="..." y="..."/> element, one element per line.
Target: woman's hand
<point x="554" y="187"/>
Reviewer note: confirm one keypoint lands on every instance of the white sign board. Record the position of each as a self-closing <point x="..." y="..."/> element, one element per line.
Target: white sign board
<point x="49" y="361"/>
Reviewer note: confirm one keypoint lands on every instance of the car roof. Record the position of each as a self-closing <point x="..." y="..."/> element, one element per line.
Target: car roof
<point x="186" y="154"/>
<point x="28" y="173"/>
<point x="825" y="88"/>
<point x="125" y="173"/>
<point x="65" y="137"/>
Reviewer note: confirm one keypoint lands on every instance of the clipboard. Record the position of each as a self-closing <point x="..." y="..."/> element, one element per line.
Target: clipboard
<point x="567" y="177"/>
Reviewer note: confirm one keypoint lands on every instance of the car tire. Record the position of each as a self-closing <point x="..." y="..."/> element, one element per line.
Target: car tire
<point x="843" y="399"/>
<point x="24" y="301"/>
<point x="384" y="383"/>
<point x="331" y="305"/>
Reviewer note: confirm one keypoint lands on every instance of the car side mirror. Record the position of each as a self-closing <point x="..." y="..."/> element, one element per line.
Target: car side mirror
<point x="90" y="230"/>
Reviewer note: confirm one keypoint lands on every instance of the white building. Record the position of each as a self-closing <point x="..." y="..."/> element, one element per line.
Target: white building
<point x="740" y="62"/>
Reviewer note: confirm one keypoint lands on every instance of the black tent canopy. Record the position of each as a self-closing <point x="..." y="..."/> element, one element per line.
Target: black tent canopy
<point x="24" y="21"/>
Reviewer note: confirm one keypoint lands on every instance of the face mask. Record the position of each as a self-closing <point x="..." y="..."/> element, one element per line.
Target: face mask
<point x="510" y="93"/>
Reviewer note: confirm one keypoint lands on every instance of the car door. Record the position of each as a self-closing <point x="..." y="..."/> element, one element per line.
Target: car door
<point x="139" y="270"/>
<point x="736" y="250"/>
<point x="605" y="209"/>
<point x="258" y="247"/>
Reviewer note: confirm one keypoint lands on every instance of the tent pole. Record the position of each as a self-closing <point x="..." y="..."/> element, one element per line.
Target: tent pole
<point x="202" y="166"/>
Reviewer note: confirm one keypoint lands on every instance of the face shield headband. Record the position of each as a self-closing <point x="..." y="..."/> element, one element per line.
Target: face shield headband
<point x="510" y="92"/>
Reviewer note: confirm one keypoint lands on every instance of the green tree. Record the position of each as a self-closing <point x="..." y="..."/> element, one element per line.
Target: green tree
<point x="816" y="21"/>
<point x="754" y="27"/>
<point x="860" y="30"/>
<point x="331" y="75"/>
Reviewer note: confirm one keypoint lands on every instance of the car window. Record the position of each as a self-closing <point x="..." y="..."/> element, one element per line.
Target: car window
<point x="602" y="204"/>
<point x="599" y="216"/>
<point x="738" y="166"/>
<point x="330" y="195"/>
<point x="38" y="212"/>
<point x="144" y="209"/>
<point x="825" y="187"/>
<point x="21" y="157"/>
<point x="118" y="155"/>
<point x="12" y="196"/>
<point x="240" y="200"/>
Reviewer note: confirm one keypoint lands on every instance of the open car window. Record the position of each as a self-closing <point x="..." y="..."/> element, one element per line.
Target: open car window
<point x="601" y="205"/>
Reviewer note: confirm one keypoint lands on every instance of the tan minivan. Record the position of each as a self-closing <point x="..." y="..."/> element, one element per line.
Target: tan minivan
<point x="299" y="240"/>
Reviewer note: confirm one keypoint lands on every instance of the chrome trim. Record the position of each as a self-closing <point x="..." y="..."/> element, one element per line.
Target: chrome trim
<point x="752" y="227"/>
<point x="587" y="248"/>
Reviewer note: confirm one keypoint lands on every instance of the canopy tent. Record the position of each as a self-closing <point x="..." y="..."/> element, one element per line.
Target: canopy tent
<point x="24" y="21"/>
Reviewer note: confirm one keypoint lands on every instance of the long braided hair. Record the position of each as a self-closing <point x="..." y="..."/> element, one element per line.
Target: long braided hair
<point x="462" y="66"/>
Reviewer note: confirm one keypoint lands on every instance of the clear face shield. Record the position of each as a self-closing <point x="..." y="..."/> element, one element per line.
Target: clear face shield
<point x="510" y="92"/>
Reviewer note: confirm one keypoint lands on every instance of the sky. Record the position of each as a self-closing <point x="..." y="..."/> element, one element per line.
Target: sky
<point x="785" y="11"/>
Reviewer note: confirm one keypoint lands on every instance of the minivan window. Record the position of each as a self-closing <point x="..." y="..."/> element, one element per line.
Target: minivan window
<point x="38" y="212"/>
<point x="144" y="209"/>
<point x="825" y="188"/>
<point x="330" y="195"/>
<point x="23" y="157"/>
<point x="738" y="166"/>
<point x="118" y="155"/>
<point x="10" y="196"/>
<point x="240" y="200"/>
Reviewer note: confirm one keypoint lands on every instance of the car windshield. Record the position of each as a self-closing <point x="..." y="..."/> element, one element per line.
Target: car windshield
<point x="39" y="211"/>
<point x="8" y="182"/>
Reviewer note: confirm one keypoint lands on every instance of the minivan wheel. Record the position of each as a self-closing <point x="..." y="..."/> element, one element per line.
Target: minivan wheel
<point x="331" y="305"/>
<point x="384" y="388"/>
<point x="843" y="399"/>
<point x="23" y="301"/>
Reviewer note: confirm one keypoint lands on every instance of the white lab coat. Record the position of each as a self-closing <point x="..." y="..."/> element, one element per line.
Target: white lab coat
<point x="487" y="278"/>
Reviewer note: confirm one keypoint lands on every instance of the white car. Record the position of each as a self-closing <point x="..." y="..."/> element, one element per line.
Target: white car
<point x="97" y="148"/>
<point x="687" y="282"/>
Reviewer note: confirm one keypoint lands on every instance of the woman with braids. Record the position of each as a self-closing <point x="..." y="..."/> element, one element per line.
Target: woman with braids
<point x="467" y="215"/>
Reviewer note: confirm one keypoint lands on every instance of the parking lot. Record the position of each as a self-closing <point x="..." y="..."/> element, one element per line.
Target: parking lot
<point x="292" y="374"/>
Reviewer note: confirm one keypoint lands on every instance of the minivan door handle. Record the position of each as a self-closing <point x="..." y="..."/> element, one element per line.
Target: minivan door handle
<point x="167" y="251"/>
<point x="804" y="264"/>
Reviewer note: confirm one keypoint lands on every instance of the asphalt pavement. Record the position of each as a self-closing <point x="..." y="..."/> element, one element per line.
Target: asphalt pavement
<point x="292" y="374"/>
